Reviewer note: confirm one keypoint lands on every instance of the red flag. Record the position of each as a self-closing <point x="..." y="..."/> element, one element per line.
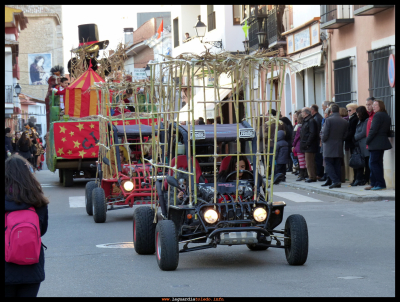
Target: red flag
<point x="160" y="29"/>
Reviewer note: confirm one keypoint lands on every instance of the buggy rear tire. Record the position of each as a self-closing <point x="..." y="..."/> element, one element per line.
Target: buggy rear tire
<point x="99" y="205"/>
<point x="90" y="186"/>
<point x="144" y="231"/>
<point x="296" y="248"/>
<point x="60" y="175"/>
<point x="167" y="245"/>
<point x="68" y="179"/>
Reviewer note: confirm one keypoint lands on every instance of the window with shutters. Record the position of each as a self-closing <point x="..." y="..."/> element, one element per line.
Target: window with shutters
<point x="343" y="69"/>
<point x="176" y="32"/>
<point x="379" y="86"/>
<point x="211" y="17"/>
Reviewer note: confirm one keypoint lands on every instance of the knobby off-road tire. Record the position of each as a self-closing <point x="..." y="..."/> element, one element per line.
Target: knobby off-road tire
<point x="99" y="205"/>
<point x="167" y="246"/>
<point x="60" y="175"/>
<point x="297" y="247"/>
<point x="144" y="231"/>
<point x="90" y="186"/>
<point x="68" y="180"/>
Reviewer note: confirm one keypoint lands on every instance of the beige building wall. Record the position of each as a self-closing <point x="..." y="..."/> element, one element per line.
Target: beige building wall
<point x="43" y="35"/>
<point x="366" y="33"/>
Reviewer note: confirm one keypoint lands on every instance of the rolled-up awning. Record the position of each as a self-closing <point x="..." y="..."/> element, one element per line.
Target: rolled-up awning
<point x="199" y="104"/>
<point x="306" y="59"/>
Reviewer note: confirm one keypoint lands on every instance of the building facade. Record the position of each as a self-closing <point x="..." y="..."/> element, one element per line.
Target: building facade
<point x="40" y="48"/>
<point x="15" y="22"/>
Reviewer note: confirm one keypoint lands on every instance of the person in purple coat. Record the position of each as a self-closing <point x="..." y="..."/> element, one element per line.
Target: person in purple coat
<point x="296" y="149"/>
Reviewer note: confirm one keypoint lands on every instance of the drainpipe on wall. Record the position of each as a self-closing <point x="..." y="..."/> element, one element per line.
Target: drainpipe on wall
<point x="330" y="31"/>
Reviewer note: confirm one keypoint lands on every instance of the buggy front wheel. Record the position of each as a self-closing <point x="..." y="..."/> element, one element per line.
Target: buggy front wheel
<point x="99" y="205"/>
<point x="167" y="245"/>
<point x="144" y="231"/>
<point x="296" y="245"/>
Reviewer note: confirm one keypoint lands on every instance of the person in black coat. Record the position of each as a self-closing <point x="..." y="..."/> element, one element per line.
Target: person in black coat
<point x="360" y="138"/>
<point x="318" y="156"/>
<point x="377" y="142"/>
<point x="8" y="142"/>
<point x="309" y="137"/>
<point x="288" y="139"/>
<point x="24" y="146"/>
<point x="22" y="191"/>
<point x="351" y="131"/>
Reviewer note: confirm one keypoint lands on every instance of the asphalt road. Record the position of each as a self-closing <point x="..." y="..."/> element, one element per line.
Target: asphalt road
<point x="351" y="253"/>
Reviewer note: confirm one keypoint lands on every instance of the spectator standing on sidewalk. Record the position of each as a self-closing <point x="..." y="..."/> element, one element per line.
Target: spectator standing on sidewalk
<point x="377" y="142"/>
<point x="282" y="154"/>
<point x="360" y="138"/>
<point x="318" y="156"/>
<point x="288" y="139"/>
<point x="8" y="142"/>
<point x="309" y="142"/>
<point x="22" y="192"/>
<point x="333" y="134"/>
<point x="24" y="146"/>
<point x="351" y="131"/>
<point x="296" y="150"/>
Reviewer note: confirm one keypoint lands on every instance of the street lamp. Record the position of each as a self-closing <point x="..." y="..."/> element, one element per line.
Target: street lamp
<point x="17" y="89"/>
<point x="147" y="70"/>
<point x="200" y="28"/>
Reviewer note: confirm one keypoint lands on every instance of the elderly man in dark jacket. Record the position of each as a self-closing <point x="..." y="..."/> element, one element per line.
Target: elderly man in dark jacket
<point x="309" y="142"/>
<point x="333" y="134"/>
<point x="351" y="131"/>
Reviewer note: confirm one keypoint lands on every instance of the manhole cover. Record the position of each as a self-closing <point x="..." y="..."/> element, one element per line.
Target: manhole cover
<point x="117" y="245"/>
<point x="351" y="277"/>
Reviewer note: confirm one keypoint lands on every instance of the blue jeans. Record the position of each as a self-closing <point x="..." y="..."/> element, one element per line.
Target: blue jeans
<point x="294" y="159"/>
<point x="333" y="167"/>
<point x="376" y="167"/>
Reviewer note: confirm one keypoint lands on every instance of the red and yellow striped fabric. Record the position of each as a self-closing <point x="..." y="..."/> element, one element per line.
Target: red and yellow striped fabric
<point x="79" y="101"/>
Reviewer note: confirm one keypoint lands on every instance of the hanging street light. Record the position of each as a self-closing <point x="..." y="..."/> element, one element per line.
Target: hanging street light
<point x="147" y="70"/>
<point x="200" y="28"/>
<point x="17" y="89"/>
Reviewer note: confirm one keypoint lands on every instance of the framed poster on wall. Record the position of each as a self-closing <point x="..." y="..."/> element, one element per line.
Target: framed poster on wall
<point x="302" y="39"/>
<point x="290" y="44"/>
<point x="315" y="33"/>
<point x="39" y="65"/>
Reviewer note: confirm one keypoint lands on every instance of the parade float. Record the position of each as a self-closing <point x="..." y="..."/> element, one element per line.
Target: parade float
<point x="72" y="140"/>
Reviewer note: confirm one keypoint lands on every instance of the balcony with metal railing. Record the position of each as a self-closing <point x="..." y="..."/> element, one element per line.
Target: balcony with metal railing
<point x="335" y="16"/>
<point x="369" y="10"/>
<point x="8" y="94"/>
<point x="275" y="27"/>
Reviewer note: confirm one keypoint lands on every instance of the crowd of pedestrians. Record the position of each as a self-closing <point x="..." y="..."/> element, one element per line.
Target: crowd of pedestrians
<point x="318" y="144"/>
<point x="27" y="144"/>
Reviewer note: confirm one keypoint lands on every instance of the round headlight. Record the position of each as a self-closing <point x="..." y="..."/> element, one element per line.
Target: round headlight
<point x="128" y="185"/>
<point x="211" y="216"/>
<point x="260" y="214"/>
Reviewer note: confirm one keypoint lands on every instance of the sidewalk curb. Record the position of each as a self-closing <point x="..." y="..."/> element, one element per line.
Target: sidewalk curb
<point x="341" y="195"/>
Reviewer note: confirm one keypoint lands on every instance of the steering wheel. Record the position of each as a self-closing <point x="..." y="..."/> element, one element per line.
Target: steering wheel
<point x="240" y="171"/>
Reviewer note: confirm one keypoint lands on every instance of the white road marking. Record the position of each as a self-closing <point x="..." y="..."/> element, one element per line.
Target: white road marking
<point x="48" y="186"/>
<point x="123" y="245"/>
<point x="296" y="197"/>
<point x="77" y="202"/>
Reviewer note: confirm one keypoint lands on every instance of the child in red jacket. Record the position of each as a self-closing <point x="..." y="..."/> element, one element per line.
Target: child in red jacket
<point x="60" y="90"/>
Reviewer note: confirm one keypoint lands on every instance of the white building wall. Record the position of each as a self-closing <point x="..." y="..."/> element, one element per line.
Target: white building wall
<point x="304" y="13"/>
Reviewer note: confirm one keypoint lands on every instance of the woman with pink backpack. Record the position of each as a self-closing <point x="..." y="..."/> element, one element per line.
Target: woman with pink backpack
<point x="26" y="219"/>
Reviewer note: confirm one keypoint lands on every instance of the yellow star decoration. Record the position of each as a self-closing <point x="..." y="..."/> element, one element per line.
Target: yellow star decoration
<point x="71" y="133"/>
<point x="76" y="144"/>
<point x="60" y="151"/>
<point x="82" y="153"/>
<point x="93" y="154"/>
<point x="91" y="126"/>
<point x="69" y="152"/>
<point x="115" y="123"/>
<point x="64" y="139"/>
<point x="62" y="129"/>
<point x="80" y="126"/>
<point x="127" y="123"/>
